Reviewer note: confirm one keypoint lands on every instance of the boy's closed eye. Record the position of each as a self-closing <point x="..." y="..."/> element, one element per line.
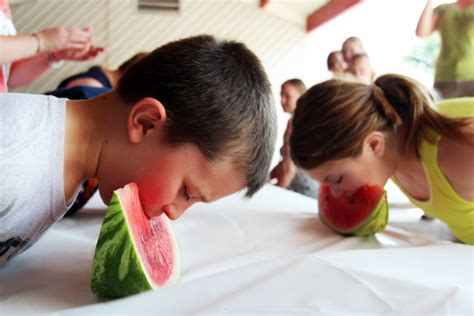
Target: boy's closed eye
<point x="185" y="192"/>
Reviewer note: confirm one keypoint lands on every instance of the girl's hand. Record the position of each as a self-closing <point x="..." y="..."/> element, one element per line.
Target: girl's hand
<point x="61" y="38"/>
<point x="77" y="55"/>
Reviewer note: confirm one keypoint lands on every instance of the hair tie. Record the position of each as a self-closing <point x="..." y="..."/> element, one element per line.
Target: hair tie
<point x="384" y="107"/>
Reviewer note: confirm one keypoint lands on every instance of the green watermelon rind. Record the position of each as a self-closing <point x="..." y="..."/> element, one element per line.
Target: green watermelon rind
<point x="123" y="274"/>
<point x="372" y="225"/>
<point x="377" y="222"/>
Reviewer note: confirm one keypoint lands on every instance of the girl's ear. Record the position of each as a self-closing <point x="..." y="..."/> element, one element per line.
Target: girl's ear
<point x="375" y="142"/>
<point x="145" y="118"/>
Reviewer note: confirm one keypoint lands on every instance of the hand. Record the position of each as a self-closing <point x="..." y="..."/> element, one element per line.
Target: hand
<point x="284" y="173"/>
<point x="61" y="38"/>
<point x="78" y="55"/>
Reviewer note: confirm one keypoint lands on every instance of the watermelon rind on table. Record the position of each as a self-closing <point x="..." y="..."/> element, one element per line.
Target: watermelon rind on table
<point x="134" y="253"/>
<point x="364" y="213"/>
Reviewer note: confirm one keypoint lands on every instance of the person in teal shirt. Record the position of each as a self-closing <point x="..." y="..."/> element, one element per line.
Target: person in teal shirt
<point x="454" y="76"/>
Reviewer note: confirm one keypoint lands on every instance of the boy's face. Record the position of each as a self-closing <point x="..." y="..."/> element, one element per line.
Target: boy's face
<point x="170" y="179"/>
<point x="349" y="49"/>
<point x="362" y="70"/>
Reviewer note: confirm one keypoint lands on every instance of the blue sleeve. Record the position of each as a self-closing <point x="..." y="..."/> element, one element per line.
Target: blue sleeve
<point x="78" y="93"/>
<point x="94" y="73"/>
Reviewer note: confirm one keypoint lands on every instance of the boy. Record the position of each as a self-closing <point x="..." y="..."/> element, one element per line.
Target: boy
<point x="361" y="69"/>
<point x="192" y="122"/>
<point x="336" y="63"/>
<point x="350" y="47"/>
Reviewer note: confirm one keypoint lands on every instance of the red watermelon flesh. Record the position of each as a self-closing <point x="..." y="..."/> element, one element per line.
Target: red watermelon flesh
<point x="365" y="212"/>
<point x="154" y="246"/>
<point x="134" y="253"/>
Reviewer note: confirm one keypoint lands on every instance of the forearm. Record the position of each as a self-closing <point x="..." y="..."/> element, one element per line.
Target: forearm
<point x="428" y="21"/>
<point x="25" y="71"/>
<point x="13" y="48"/>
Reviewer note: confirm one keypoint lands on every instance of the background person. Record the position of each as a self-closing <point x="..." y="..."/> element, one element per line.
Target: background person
<point x="454" y="73"/>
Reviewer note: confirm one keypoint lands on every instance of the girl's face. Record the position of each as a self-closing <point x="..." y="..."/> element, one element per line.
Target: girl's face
<point x="289" y="95"/>
<point x="345" y="176"/>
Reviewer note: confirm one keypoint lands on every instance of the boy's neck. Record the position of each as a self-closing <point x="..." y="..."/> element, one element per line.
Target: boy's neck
<point x="87" y="127"/>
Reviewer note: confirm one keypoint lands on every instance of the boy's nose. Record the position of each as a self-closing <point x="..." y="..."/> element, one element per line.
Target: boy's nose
<point x="174" y="211"/>
<point x="152" y="211"/>
<point x="170" y="211"/>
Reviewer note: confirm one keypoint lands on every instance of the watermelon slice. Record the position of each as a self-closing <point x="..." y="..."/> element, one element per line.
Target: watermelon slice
<point x="134" y="253"/>
<point x="362" y="214"/>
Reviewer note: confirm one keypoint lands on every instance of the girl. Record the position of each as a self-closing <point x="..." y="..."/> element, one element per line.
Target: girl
<point x="286" y="173"/>
<point x="348" y="134"/>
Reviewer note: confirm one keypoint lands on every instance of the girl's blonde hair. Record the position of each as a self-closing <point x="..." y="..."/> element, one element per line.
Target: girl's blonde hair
<point x="333" y="118"/>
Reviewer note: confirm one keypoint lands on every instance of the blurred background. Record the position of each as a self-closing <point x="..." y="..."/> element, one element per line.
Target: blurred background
<point x="292" y="37"/>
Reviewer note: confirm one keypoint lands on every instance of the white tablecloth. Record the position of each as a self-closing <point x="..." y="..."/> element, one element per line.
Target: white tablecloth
<point x="266" y="255"/>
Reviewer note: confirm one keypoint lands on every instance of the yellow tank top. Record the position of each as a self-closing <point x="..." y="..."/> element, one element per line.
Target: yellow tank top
<point x="444" y="202"/>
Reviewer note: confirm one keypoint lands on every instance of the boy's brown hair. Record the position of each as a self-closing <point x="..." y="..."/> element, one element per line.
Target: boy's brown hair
<point x="217" y="97"/>
<point x="332" y="58"/>
<point x="126" y="64"/>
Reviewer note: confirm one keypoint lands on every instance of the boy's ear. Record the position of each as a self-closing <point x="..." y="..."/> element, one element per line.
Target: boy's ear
<point x="375" y="142"/>
<point x="145" y="117"/>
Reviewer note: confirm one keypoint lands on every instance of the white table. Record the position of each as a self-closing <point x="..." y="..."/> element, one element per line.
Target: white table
<point x="268" y="255"/>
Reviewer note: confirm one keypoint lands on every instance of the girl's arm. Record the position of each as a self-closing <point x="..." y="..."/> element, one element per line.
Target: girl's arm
<point x="14" y="48"/>
<point x="27" y="70"/>
<point x="428" y="21"/>
<point x="18" y="47"/>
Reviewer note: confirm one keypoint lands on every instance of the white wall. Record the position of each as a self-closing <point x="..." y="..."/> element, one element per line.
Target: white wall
<point x="119" y="26"/>
<point x="286" y="50"/>
<point x="387" y="29"/>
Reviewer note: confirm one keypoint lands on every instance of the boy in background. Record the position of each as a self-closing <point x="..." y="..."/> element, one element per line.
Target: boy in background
<point x="336" y="64"/>
<point x="350" y="47"/>
<point x="191" y="122"/>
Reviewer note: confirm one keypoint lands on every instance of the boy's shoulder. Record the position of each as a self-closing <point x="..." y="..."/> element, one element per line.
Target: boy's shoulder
<point x="26" y="115"/>
<point x="11" y="101"/>
<point x="27" y="104"/>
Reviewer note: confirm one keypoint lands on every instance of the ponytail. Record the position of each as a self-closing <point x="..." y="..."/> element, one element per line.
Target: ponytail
<point x="413" y="104"/>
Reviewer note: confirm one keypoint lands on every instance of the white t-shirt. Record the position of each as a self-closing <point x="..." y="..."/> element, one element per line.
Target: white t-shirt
<point x="32" y="129"/>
